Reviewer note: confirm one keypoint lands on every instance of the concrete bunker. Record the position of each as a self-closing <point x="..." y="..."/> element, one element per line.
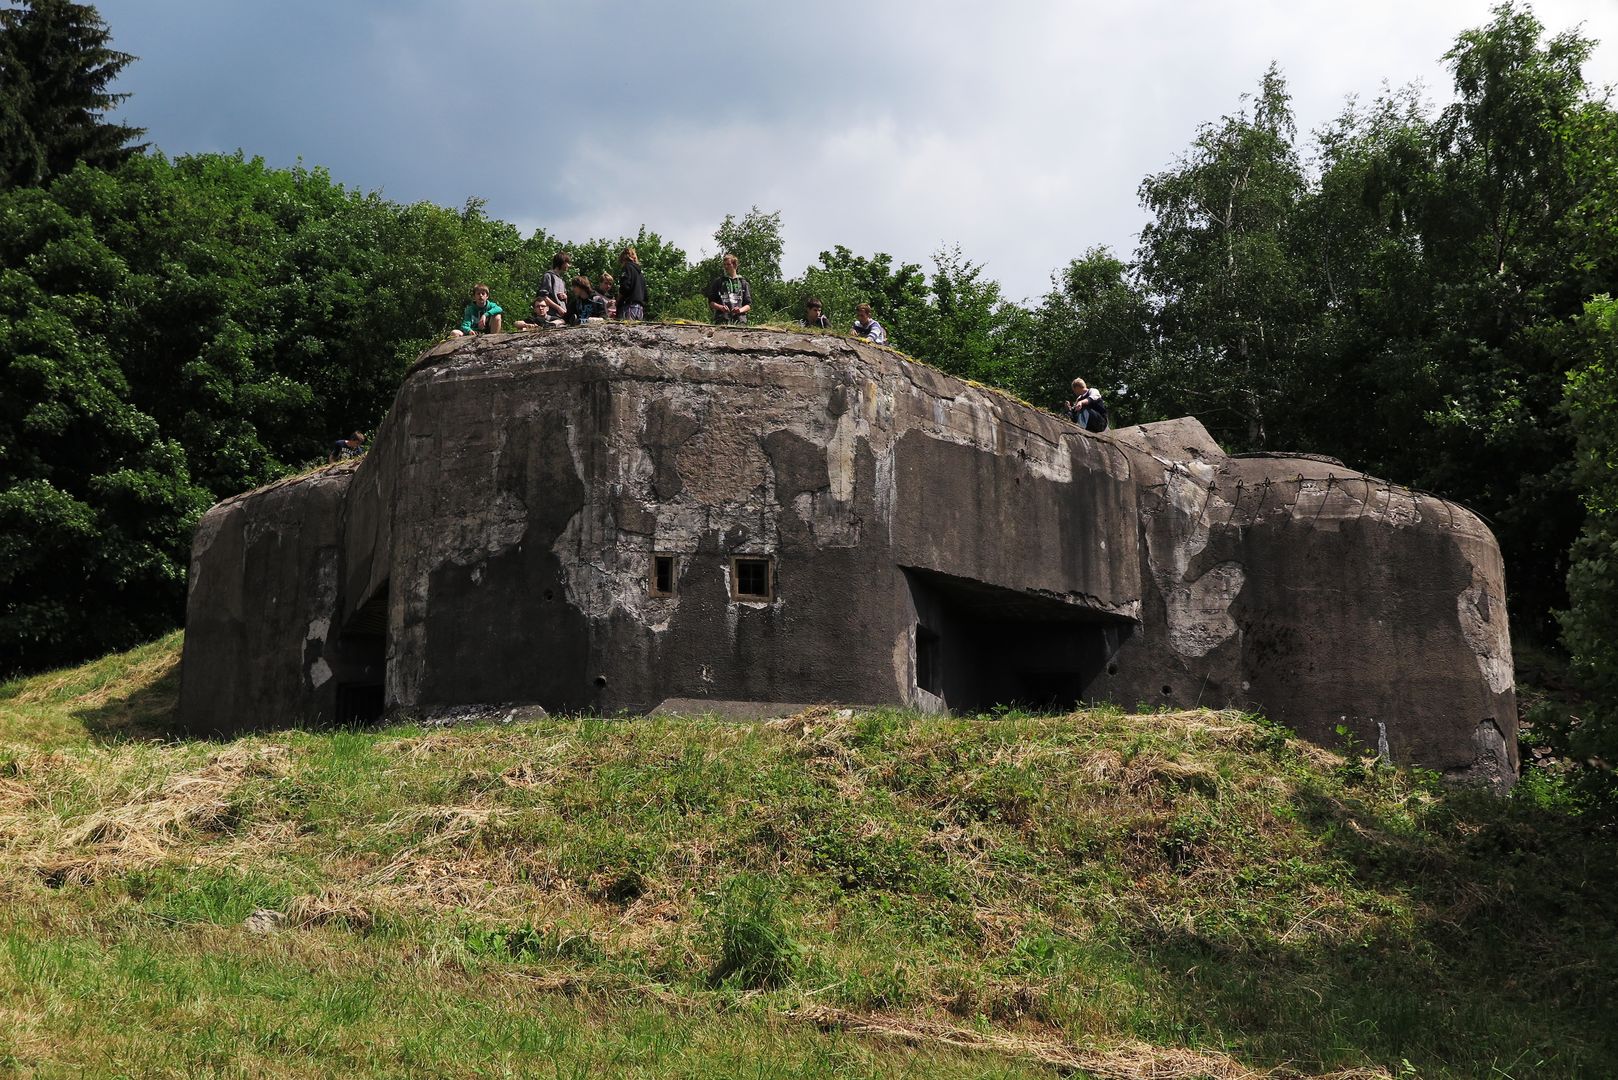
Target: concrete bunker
<point x="628" y="517"/>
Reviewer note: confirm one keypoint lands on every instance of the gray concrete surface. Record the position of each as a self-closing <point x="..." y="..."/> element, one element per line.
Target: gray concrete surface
<point x="909" y="539"/>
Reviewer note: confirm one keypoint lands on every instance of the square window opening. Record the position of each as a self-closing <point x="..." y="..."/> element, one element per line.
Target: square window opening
<point x="751" y="578"/>
<point x="662" y="575"/>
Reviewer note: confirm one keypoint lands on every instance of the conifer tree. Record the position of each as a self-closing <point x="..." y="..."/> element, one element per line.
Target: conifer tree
<point x="56" y="67"/>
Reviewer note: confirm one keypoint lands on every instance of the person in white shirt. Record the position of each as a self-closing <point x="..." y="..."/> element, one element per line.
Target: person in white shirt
<point x="1086" y="408"/>
<point x="867" y="327"/>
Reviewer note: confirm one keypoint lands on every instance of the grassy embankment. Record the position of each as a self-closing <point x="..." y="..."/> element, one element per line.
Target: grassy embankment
<point x="1167" y="895"/>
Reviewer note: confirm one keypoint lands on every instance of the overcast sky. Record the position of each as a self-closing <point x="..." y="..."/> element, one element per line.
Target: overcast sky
<point x="1020" y="130"/>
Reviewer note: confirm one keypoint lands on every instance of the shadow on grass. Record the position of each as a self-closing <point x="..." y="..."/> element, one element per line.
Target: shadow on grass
<point x="1495" y="953"/>
<point x="149" y="712"/>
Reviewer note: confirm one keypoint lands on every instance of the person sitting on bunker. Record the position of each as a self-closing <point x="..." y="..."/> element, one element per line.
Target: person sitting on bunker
<point x="814" y="315"/>
<point x="1087" y="409"/>
<point x="730" y="296"/>
<point x="351" y="445"/>
<point x="867" y="327"/>
<point x="584" y="303"/>
<point x="480" y="316"/>
<point x="540" y="317"/>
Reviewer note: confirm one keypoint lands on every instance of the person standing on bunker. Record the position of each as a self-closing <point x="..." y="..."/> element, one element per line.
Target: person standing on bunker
<point x="867" y="327"/>
<point x="1087" y="409"/>
<point x="480" y="316"/>
<point x="553" y="288"/>
<point x="631" y="286"/>
<point x="730" y="296"/>
<point x="814" y="315"/>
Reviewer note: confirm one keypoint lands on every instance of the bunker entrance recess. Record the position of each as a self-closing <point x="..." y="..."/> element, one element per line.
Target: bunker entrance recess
<point x="361" y="698"/>
<point x="979" y="645"/>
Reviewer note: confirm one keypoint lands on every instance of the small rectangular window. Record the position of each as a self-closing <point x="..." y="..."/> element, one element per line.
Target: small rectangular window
<point x="750" y="578"/>
<point x="662" y="575"/>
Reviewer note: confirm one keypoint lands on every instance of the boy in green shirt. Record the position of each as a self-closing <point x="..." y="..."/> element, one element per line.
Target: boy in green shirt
<point x="481" y="316"/>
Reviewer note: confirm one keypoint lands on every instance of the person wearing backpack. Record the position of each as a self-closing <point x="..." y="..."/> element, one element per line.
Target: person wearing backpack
<point x="866" y="326"/>
<point x="1087" y="409"/>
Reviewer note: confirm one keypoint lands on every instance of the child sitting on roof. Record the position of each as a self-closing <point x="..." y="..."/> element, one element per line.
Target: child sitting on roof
<point x="481" y="315"/>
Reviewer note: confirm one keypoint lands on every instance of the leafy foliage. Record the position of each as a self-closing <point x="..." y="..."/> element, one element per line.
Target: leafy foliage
<point x="1096" y="323"/>
<point x="1220" y="256"/>
<point x="1591" y="624"/>
<point x="1403" y="304"/>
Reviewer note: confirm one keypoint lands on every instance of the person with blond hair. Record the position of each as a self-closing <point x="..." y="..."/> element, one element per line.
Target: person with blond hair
<point x="1087" y="409"/>
<point x="631" y="286"/>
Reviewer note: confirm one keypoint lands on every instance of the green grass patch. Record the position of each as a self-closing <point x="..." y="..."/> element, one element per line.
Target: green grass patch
<point x="879" y="894"/>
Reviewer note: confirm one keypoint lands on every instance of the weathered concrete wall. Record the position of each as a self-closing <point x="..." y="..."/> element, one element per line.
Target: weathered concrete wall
<point x="261" y="645"/>
<point x="1325" y="598"/>
<point x="932" y="543"/>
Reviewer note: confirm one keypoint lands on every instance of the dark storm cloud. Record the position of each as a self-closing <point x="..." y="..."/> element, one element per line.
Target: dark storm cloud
<point x="1020" y="130"/>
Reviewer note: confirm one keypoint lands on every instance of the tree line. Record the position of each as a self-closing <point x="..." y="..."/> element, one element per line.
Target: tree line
<point x="1423" y="292"/>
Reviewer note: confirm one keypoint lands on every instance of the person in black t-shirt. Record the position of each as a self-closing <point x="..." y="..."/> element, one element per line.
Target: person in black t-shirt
<point x="584" y="303"/>
<point x="539" y="319"/>
<point x="730" y="296"/>
<point x="813" y="316"/>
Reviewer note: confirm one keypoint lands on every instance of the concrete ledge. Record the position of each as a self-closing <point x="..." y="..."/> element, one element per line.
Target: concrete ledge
<point x="737" y="710"/>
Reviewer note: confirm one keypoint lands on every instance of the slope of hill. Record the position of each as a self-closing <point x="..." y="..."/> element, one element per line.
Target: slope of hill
<point x="1106" y="894"/>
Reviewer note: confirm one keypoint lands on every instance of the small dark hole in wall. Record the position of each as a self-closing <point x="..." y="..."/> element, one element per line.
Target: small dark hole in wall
<point x="549" y="596"/>
<point x="929" y="661"/>
<point x="1112" y="669"/>
<point x="1167" y="691"/>
<point x="601" y="680"/>
<point x="662" y="575"/>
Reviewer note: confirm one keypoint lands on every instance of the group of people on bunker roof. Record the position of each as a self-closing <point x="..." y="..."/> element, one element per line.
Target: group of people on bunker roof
<point x="560" y="302"/>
